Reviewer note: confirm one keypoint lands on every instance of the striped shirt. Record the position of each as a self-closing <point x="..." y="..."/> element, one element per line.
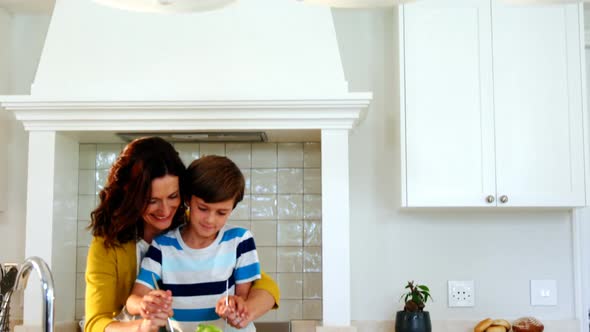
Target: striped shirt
<point x="198" y="278"/>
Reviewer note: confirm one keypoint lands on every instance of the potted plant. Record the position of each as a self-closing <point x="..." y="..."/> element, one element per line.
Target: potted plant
<point x="413" y="318"/>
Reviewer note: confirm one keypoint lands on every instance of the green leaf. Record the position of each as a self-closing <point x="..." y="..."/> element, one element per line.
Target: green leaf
<point x="424" y="288"/>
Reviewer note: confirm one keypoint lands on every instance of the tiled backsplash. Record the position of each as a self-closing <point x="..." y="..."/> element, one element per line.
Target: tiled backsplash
<point x="281" y="206"/>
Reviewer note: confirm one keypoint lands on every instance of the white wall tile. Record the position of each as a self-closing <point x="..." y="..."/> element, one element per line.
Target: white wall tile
<point x="312" y="181"/>
<point x="291" y="285"/>
<point x="312" y="155"/>
<point x="289" y="259"/>
<point x="312" y="207"/>
<point x="240" y="153"/>
<point x="290" y="181"/>
<point x="269" y="316"/>
<point x="208" y="149"/>
<point x="312" y="309"/>
<point x="290" y="155"/>
<point x="272" y="275"/>
<point x="80" y="285"/>
<point x="188" y="152"/>
<point x="312" y="286"/>
<point x="265" y="232"/>
<point x="268" y="169"/>
<point x="79" y="309"/>
<point x="290" y="233"/>
<point x="86" y="182"/>
<point x="106" y="154"/>
<point x="87" y="157"/>
<point x="248" y="180"/>
<point x="312" y="233"/>
<point x="101" y="176"/>
<point x="290" y="309"/>
<point x="264" y="155"/>
<point x="264" y="207"/>
<point x="264" y="181"/>
<point x="84" y="235"/>
<point x="86" y="203"/>
<point x="290" y="207"/>
<point x="312" y="259"/>
<point x="81" y="254"/>
<point x="242" y="210"/>
<point x="268" y="258"/>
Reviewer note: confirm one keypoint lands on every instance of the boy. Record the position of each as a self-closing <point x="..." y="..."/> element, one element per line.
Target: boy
<point x="205" y="260"/>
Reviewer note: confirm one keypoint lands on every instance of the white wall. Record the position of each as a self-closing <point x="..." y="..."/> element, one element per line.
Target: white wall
<point x="24" y="35"/>
<point x="5" y="34"/>
<point x="501" y="250"/>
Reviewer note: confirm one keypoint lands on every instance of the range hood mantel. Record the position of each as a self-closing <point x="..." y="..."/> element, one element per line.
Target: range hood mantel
<point x="157" y="115"/>
<point x="254" y="49"/>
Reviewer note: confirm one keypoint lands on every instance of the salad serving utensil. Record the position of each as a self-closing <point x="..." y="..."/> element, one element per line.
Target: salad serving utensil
<point x="169" y="327"/>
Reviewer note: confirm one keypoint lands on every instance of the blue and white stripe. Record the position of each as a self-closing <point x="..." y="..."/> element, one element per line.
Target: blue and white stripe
<point x="197" y="277"/>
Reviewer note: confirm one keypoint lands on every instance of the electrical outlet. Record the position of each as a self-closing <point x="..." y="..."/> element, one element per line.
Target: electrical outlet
<point x="461" y="293"/>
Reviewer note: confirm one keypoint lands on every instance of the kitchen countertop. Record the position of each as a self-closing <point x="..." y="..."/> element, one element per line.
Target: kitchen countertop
<point x="460" y="326"/>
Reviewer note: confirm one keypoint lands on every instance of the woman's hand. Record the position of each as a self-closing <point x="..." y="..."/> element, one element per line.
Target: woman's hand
<point x="154" y="324"/>
<point x="155" y="304"/>
<point x="236" y="311"/>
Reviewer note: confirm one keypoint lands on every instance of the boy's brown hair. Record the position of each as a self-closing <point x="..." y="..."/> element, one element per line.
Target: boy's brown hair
<point x="214" y="179"/>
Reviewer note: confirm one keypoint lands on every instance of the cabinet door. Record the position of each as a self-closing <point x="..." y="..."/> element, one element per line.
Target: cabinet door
<point x="538" y="105"/>
<point x="446" y="103"/>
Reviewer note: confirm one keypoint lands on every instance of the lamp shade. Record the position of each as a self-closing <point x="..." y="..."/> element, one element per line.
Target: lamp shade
<point x="542" y="2"/>
<point x="165" y="6"/>
<point x="358" y="3"/>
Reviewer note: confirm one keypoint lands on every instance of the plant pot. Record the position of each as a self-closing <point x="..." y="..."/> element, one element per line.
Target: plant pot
<point x="406" y="321"/>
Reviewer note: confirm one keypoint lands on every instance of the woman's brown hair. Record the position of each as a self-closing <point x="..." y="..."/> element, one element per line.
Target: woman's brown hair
<point x="128" y="188"/>
<point x="214" y="179"/>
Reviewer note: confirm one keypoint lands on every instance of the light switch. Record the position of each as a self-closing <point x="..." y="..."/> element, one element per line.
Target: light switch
<point x="543" y="292"/>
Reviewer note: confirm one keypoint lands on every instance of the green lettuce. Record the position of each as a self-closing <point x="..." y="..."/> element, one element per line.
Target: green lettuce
<point x="208" y="328"/>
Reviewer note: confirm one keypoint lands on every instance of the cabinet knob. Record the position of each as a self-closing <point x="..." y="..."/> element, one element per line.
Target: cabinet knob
<point x="490" y="199"/>
<point x="503" y="198"/>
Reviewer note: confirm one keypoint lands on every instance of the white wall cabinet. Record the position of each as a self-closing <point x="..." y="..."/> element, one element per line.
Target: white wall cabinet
<point x="491" y="104"/>
<point x="3" y="162"/>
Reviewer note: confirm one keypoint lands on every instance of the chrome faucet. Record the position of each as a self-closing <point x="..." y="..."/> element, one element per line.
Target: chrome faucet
<point x="46" y="278"/>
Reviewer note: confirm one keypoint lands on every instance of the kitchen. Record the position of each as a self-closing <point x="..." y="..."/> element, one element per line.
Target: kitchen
<point x="500" y="249"/>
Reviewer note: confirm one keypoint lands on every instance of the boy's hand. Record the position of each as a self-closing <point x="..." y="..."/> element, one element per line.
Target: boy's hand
<point x="154" y="303"/>
<point x="235" y="311"/>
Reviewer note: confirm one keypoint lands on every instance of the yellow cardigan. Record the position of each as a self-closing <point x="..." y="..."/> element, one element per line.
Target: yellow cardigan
<point x="110" y="275"/>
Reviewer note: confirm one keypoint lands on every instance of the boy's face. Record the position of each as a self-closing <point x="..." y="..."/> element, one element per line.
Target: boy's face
<point x="206" y="219"/>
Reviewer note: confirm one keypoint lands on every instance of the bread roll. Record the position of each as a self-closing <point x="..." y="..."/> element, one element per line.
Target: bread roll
<point x="496" y="328"/>
<point x="501" y="322"/>
<point x="483" y="325"/>
<point x="527" y="324"/>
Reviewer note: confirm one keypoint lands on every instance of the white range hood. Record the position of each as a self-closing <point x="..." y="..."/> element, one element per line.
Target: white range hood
<point x="259" y="65"/>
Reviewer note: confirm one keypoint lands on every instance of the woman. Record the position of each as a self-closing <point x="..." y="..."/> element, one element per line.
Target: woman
<point x="141" y="199"/>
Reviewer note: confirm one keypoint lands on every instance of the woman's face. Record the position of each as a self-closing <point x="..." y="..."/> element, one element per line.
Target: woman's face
<point x="161" y="207"/>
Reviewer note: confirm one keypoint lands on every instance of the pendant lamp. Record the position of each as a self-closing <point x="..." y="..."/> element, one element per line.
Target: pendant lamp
<point x="358" y="3"/>
<point x="542" y="2"/>
<point x="165" y="6"/>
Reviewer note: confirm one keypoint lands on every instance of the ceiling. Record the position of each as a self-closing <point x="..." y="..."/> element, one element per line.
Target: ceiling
<point x="27" y="6"/>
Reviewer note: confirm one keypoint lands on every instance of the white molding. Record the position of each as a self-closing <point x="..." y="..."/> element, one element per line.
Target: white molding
<point x="163" y="115"/>
<point x="335" y="230"/>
